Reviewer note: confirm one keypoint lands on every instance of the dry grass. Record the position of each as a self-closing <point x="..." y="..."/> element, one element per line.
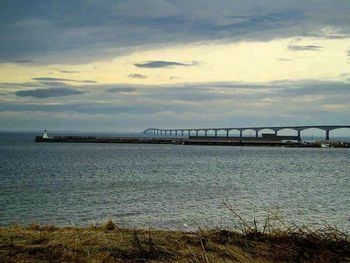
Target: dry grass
<point x="108" y="243"/>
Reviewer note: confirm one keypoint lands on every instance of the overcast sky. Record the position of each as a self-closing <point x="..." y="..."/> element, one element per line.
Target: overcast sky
<point x="128" y="65"/>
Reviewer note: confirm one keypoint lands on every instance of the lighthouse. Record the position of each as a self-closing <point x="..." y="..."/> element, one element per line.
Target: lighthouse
<point x="45" y="136"/>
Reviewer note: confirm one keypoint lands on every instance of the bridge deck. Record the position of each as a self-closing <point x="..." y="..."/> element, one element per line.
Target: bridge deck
<point x="275" y="129"/>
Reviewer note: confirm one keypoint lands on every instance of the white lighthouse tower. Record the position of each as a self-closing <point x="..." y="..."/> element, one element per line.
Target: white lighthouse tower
<point x="45" y="136"/>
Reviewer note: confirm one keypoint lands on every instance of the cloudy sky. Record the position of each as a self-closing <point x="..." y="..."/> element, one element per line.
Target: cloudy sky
<point x="128" y="65"/>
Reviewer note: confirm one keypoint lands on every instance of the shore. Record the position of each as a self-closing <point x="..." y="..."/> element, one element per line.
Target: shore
<point x="109" y="243"/>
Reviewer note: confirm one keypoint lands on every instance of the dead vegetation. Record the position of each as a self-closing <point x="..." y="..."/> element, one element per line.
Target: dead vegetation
<point x="275" y="241"/>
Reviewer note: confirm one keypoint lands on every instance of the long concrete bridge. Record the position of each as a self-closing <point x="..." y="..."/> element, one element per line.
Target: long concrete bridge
<point x="205" y="131"/>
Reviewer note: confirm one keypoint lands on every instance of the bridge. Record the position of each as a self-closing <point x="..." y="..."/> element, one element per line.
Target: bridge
<point x="195" y="132"/>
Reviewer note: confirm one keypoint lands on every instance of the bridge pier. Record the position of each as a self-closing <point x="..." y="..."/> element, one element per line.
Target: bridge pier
<point x="257" y="133"/>
<point x="227" y="133"/>
<point x="216" y="133"/>
<point x="327" y="135"/>
<point x="205" y="133"/>
<point x="196" y="133"/>
<point x="240" y="133"/>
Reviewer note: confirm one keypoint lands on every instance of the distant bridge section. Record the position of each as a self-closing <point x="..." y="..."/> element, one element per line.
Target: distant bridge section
<point x="195" y="132"/>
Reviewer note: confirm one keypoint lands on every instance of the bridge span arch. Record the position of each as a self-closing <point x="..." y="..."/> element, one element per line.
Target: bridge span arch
<point x="208" y="131"/>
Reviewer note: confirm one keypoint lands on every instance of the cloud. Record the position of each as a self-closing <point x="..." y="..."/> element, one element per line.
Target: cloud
<point x="63" y="79"/>
<point x="304" y="48"/>
<point x="162" y="64"/>
<point x="313" y="88"/>
<point x="91" y="30"/>
<point x="121" y="90"/>
<point x="284" y="59"/>
<point x="69" y="71"/>
<point x="48" y="93"/>
<point x="18" y="61"/>
<point x="199" y="104"/>
<point x="18" y="84"/>
<point x="137" y="76"/>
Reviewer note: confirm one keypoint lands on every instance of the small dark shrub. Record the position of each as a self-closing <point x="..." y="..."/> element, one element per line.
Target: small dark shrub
<point x="110" y="225"/>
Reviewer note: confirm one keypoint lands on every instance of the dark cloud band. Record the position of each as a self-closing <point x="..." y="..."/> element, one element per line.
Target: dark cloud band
<point x="137" y="76"/>
<point x="304" y="48"/>
<point x="161" y="64"/>
<point x="63" y="79"/>
<point x="48" y="93"/>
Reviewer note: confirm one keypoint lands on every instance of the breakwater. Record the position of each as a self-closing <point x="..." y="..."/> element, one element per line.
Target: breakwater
<point x="159" y="140"/>
<point x="277" y="141"/>
<point x="94" y="139"/>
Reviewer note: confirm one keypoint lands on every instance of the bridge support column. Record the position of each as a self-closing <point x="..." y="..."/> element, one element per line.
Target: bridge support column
<point x="327" y="135"/>
<point x="240" y="133"/>
<point x="182" y="133"/>
<point x="276" y="132"/>
<point x="299" y="135"/>
<point x="205" y="133"/>
<point x="175" y="133"/>
<point x="216" y="133"/>
<point x="196" y="133"/>
<point x="227" y="133"/>
<point x="256" y="133"/>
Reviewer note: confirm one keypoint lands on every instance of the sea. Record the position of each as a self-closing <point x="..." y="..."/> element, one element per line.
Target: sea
<point x="180" y="187"/>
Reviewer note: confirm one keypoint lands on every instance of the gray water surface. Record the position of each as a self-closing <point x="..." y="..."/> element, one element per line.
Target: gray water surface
<point x="169" y="186"/>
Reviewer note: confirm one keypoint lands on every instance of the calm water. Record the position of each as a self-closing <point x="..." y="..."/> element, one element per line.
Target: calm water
<point x="169" y="186"/>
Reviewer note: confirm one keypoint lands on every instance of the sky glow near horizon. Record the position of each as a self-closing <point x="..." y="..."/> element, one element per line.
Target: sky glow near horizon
<point x="126" y="65"/>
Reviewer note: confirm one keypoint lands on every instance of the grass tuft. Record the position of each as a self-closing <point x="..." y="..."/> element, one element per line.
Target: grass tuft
<point x="109" y="225"/>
